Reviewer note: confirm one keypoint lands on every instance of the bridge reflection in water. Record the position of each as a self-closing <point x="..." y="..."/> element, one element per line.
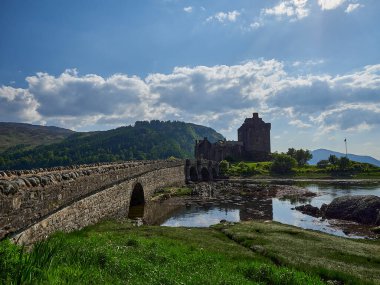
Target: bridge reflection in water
<point x="201" y="212"/>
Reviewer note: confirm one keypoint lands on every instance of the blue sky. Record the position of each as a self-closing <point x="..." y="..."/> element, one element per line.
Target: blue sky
<point x="310" y="67"/>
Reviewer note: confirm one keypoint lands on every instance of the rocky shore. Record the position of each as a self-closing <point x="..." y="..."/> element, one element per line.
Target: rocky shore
<point x="363" y="209"/>
<point x="250" y="189"/>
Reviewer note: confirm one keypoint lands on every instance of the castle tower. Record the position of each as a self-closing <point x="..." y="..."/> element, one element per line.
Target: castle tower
<point x="255" y="135"/>
<point x="253" y="143"/>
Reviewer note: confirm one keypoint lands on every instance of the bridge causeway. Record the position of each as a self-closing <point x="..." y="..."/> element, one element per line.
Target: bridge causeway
<point x="36" y="203"/>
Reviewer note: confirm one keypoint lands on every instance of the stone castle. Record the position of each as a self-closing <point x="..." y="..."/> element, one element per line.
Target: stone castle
<point x="253" y="143"/>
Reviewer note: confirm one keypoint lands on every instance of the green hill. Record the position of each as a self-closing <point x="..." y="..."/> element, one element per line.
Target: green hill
<point x="13" y="134"/>
<point x="144" y="140"/>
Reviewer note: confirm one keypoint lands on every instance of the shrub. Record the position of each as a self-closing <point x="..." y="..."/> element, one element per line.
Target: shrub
<point x="224" y="165"/>
<point x="283" y="164"/>
<point x="323" y="163"/>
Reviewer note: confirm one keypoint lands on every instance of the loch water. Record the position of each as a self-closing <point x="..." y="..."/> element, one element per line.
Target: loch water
<point x="204" y="212"/>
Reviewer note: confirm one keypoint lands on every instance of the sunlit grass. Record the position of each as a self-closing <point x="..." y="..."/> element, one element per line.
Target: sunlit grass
<point x="262" y="170"/>
<point x="331" y="257"/>
<point x="117" y="253"/>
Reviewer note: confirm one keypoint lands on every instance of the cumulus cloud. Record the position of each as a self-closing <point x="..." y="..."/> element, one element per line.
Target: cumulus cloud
<point x="219" y="96"/>
<point x="223" y="17"/>
<point x="188" y="9"/>
<point x="233" y="87"/>
<point x="330" y="4"/>
<point x="293" y="9"/>
<point x="351" y="117"/>
<point x="352" y="7"/>
<point x="17" y="104"/>
<point x="75" y="95"/>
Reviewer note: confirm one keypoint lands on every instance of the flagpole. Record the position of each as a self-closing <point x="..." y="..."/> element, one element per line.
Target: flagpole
<point x="345" y="142"/>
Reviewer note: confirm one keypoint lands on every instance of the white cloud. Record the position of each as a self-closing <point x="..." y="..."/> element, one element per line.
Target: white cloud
<point x="255" y="25"/>
<point x="293" y="9"/>
<point x="219" y="96"/>
<point x="299" y="124"/>
<point x="188" y="9"/>
<point x="224" y="16"/>
<point x="352" y="7"/>
<point x="330" y="4"/>
<point x="350" y="117"/>
<point x="309" y="62"/>
<point x="75" y="95"/>
<point x="17" y="104"/>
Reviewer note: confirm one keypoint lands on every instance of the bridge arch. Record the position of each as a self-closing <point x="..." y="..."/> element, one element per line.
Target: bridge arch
<point x="205" y="174"/>
<point x="193" y="174"/>
<point x="214" y="173"/>
<point x="137" y="202"/>
<point x="137" y="197"/>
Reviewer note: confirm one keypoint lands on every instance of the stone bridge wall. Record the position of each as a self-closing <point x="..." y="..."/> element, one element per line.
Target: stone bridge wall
<point x="37" y="203"/>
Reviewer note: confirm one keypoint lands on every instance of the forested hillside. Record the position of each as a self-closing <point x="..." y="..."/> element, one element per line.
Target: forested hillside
<point x="144" y="140"/>
<point x="13" y="134"/>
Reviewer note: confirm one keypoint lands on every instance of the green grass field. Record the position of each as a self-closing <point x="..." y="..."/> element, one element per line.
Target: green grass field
<point x="247" y="253"/>
<point x="262" y="170"/>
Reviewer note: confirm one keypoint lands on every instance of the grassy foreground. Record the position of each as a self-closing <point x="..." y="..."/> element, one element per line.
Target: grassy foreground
<point x="118" y="253"/>
<point x="330" y="257"/>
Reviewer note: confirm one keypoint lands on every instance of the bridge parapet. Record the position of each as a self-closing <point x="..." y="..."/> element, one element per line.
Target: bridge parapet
<point x="104" y="166"/>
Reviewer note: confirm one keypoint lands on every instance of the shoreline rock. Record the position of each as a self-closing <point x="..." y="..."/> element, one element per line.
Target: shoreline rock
<point x="309" y="210"/>
<point x="363" y="209"/>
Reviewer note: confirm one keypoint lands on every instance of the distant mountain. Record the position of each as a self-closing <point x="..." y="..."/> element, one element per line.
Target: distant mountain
<point x="13" y="134"/>
<point x="320" y="154"/>
<point x="144" y="140"/>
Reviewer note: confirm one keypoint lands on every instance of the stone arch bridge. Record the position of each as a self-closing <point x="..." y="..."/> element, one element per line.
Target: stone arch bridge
<point x="36" y="203"/>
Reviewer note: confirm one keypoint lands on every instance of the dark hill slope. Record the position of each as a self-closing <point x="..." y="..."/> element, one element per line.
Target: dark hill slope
<point x="13" y="134"/>
<point x="145" y="140"/>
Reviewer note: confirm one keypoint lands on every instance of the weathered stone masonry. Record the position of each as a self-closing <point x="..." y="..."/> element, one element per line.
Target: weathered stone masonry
<point x="33" y="205"/>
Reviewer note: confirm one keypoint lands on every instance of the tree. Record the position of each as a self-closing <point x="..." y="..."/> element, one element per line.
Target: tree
<point x="344" y="163"/>
<point x="300" y="155"/>
<point x="333" y="159"/>
<point x="283" y="163"/>
<point x="291" y="152"/>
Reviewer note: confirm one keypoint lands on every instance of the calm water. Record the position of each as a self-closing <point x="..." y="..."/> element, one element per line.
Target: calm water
<point x="240" y="209"/>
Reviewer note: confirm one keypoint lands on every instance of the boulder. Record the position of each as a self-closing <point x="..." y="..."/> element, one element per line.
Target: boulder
<point x="376" y="230"/>
<point x="364" y="209"/>
<point x="309" y="210"/>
